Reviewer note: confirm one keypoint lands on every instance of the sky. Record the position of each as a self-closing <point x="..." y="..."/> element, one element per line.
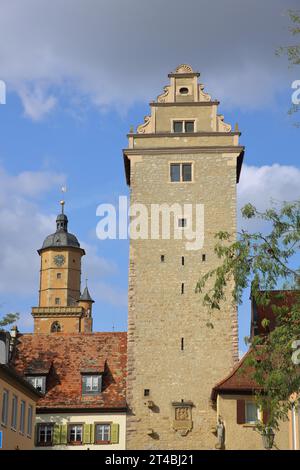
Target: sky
<point x="79" y="73"/>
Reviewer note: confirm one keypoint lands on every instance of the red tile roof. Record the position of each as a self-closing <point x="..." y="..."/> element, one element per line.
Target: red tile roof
<point x="278" y="298"/>
<point x="238" y="381"/>
<point x="69" y="355"/>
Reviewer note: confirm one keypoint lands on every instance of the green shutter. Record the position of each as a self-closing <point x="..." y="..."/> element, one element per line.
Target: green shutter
<point x="92" y="434"/>
<point x="86" y="433"/>
<point x="114" y="433"/>
<point x="64" y="434"/>
<point x="56" y="434"/>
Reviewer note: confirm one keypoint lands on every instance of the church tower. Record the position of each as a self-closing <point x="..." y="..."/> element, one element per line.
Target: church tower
<point x="183" y="153"/>
<point x="61" y="306"/>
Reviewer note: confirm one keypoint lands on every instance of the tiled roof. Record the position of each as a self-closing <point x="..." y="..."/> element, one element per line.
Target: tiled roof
<point x="238" y="381"/>
<point x="278" y="298"/>
<point x="69" y="355"/>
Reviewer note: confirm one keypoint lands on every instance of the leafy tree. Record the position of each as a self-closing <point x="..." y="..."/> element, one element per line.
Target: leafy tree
<point x="264" y="260"/>
<point x="8" y="319"/>
<point x="292" y="52"/>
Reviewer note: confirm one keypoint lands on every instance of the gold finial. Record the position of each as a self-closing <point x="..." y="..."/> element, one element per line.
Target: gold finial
<point x="131" y="131"/>
<point x="236" y="127"/>
<point x="62" y="203"/>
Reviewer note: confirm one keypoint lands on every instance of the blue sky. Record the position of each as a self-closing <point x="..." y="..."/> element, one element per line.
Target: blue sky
<point x="70" y="104"/>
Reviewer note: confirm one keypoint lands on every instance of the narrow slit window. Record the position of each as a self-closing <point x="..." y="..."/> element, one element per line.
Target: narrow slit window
<point x="182" y="288"/>
<point x="162" y="258"/>
<point x="182" y="344"/>
<point x="182" y="260"/>
<point x="182" y="223"/>
<point x="203" y="257"/>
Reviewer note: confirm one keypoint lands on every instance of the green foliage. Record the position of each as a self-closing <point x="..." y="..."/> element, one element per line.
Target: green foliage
<point x="8" y="319"/>
<point x="264" y="261"/>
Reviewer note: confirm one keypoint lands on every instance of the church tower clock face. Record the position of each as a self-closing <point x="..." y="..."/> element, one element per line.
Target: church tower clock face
<point x="59" y="260"/>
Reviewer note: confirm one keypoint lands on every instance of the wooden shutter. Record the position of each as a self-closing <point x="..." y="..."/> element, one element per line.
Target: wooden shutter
<point x="56" y="434"/>
<point x="87" y="433"/>
<point x="114" y="433"/>
<point x="266" y="416"/>
<point x="92" y="434"/>
<point x="240" y="411"/>
<point x="64" y="434"/>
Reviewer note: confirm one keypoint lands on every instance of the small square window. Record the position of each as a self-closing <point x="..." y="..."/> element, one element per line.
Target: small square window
<point x="75" y="434"/>
<point x="182" y="223"/>
<point x="39" y="382"/>
<point x="58" y="276"/>
<point x="57" y="301"/>
<point x="146" y="392"/>
<point x="189" y="126"/>
<point x="178" y="126"/>
<point x="186" y="172"/>
<point x="45" y="434"/>
<point x="162" y="258"/>
<point x="91" y="384"/>
<point x="102" y="433"/>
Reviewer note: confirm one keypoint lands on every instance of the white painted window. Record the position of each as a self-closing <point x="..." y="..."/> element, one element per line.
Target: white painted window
<point x="91" y="384"/>
<point x="102" y="433"/>
<point x="75" y="433"/>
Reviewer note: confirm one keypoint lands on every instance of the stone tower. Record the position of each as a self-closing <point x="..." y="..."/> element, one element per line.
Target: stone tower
<point x="61" y="306"/>
<point x="183" y="153"/>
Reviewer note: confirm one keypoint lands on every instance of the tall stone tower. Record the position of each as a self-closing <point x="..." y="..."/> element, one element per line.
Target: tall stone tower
<point x="62" y="309"/>
<point x="183" y="153"/>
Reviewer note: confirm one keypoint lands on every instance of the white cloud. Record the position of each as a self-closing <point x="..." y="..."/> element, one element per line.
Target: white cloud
<point x="262" y="185"/>
<point x="118" y="52"/>
<point x="36" y="103"/>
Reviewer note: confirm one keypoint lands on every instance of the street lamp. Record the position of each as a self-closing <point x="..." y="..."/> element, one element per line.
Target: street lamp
<point x="268" y="438"/>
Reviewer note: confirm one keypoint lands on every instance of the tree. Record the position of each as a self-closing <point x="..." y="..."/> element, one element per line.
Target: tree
<point x="266" y="261"/>
<point x="8" y="319"/>
<point x="292" y="52"/>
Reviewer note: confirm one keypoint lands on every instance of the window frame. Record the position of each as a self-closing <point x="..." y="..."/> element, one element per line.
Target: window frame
<point x="258" y="414"/>
<point x="103" y="442"/>
<point x="183" y="121"/>
<point x="22" y="417"/>
<point x="91" y="392"/>
<point x="75" y="425"/>
<point x="181" y="163"/>
<point x="39" y="443"/>
<point x="29" y="421"/>
<point x="14" y="412"/>
<point x="5" y="407"/>
<point x="33" y="378"/>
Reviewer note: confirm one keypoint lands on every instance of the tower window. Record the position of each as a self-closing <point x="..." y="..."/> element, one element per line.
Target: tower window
<point x="182" y="223"/>
<point x="182" y="260"/>
<point x="182" y="288"/>
<point x="162" y="258"/>
<point x="58" y="276"/>
<point x="182" y="344"/>
<point x="183" y="126"/>
<point x="55" y="327"/>
<point x="146" y="392"/>
<point x="183" y="91"/>
<point x="203" y="257"/>
<point x="180" y="172"/>
<point x="57" y="301"/>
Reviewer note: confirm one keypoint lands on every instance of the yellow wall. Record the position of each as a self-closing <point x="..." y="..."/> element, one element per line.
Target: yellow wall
<point x="245" y="436"/>
<point x="87" y="418"/>
<point x="13" y="438"/>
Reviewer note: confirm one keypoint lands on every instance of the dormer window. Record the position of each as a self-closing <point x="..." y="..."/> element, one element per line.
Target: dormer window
<point x="183" y="126"/>
<point x="91" y="384"/>
<point x="39" y="382"/>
